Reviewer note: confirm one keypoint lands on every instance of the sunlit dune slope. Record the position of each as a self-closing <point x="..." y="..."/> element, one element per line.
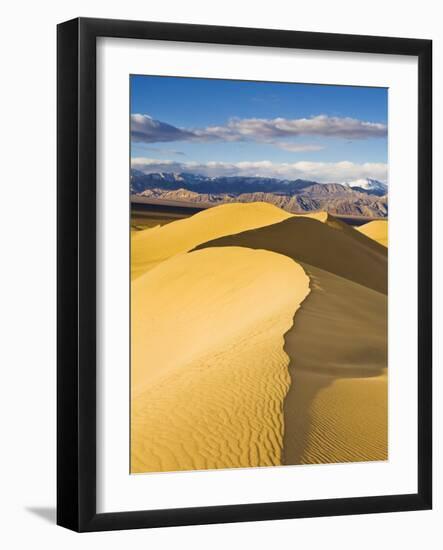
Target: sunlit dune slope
<point x="336" y="406"/>
<point x="209" y="373"/>
<point x="338" y="249"/>
<point x="151" y="246"/>
<point x="376" y="230"/>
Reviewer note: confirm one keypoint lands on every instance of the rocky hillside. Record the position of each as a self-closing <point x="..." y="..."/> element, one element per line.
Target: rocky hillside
<point x="362" y="198"/>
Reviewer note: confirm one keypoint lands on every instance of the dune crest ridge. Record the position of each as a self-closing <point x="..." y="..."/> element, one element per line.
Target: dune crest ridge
<point x="209" y="372"/>
<point x="336" y="248"/>
<point x="152" y="246"/>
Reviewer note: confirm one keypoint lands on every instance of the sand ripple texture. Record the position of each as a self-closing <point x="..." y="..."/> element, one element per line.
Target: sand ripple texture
<point x="336" y="409"/>
<point x="209" y="372"/>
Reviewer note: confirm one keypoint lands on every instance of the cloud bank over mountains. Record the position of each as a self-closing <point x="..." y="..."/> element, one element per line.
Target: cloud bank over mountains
<point x="322" y="172"/>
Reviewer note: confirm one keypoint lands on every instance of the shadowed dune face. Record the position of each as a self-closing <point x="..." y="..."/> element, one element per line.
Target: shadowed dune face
<point x="336" y="406"/>
<point x="209" y="373"/>
<point x="376" y="230"/>
<point x="342" y="328"/>
<point x="340" y="250"/>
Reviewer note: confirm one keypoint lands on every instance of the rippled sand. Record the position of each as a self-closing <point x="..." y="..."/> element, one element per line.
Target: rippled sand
<point x="209" y="373"/>
<point x="266" y="345"/>
<point x="336" y="407"/>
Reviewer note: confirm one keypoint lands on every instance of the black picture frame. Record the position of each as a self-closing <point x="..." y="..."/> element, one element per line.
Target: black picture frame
<point x="76" y="265"/>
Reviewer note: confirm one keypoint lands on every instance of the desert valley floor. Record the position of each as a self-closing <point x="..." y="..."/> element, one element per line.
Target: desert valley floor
<point x="258" y="338"/>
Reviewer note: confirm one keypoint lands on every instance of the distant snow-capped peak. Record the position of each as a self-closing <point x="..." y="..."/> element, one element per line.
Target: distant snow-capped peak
<point x="369" y="185"/>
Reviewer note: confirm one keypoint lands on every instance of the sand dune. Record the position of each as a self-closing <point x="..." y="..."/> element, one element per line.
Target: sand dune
<point x="376" y="230"/>
<point x="332" y="246"/>
<point x="223" y="376"/>
<point x="156" y="244"/>
<point x="152" y="246"/>
<point x="336" y="406"/>
<point x="209" y="373"/>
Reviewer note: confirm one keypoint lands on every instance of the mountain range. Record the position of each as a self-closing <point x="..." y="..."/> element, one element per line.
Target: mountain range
<point x="366" y="197"/>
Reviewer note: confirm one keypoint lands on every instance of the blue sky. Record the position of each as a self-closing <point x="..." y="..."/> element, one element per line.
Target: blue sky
<point x="228" y="127"/>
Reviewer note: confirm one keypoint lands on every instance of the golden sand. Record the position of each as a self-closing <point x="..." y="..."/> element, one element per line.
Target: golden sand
<point x="223" y="375"/>
<point x="376" y="230"/>
<point x="209" y="374"/>
<point x="343" y="420"/>
<point x="152" y="246"/>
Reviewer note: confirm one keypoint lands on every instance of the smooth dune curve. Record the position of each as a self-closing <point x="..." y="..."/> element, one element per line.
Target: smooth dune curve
<point x="336" y="407"/>
<point x="209" y="373"/>
<point x="152" y="246"/>
<point x="376" y="230"/>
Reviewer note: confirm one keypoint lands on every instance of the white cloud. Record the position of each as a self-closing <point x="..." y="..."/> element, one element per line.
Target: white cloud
<point x="146" y="129"/>
<point x="321" y="125"/>
<point x="323" y="172"/>
<point x="298" y="147"/>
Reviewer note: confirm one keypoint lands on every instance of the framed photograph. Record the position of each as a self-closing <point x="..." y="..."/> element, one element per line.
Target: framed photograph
<point x="244" y="274"/>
